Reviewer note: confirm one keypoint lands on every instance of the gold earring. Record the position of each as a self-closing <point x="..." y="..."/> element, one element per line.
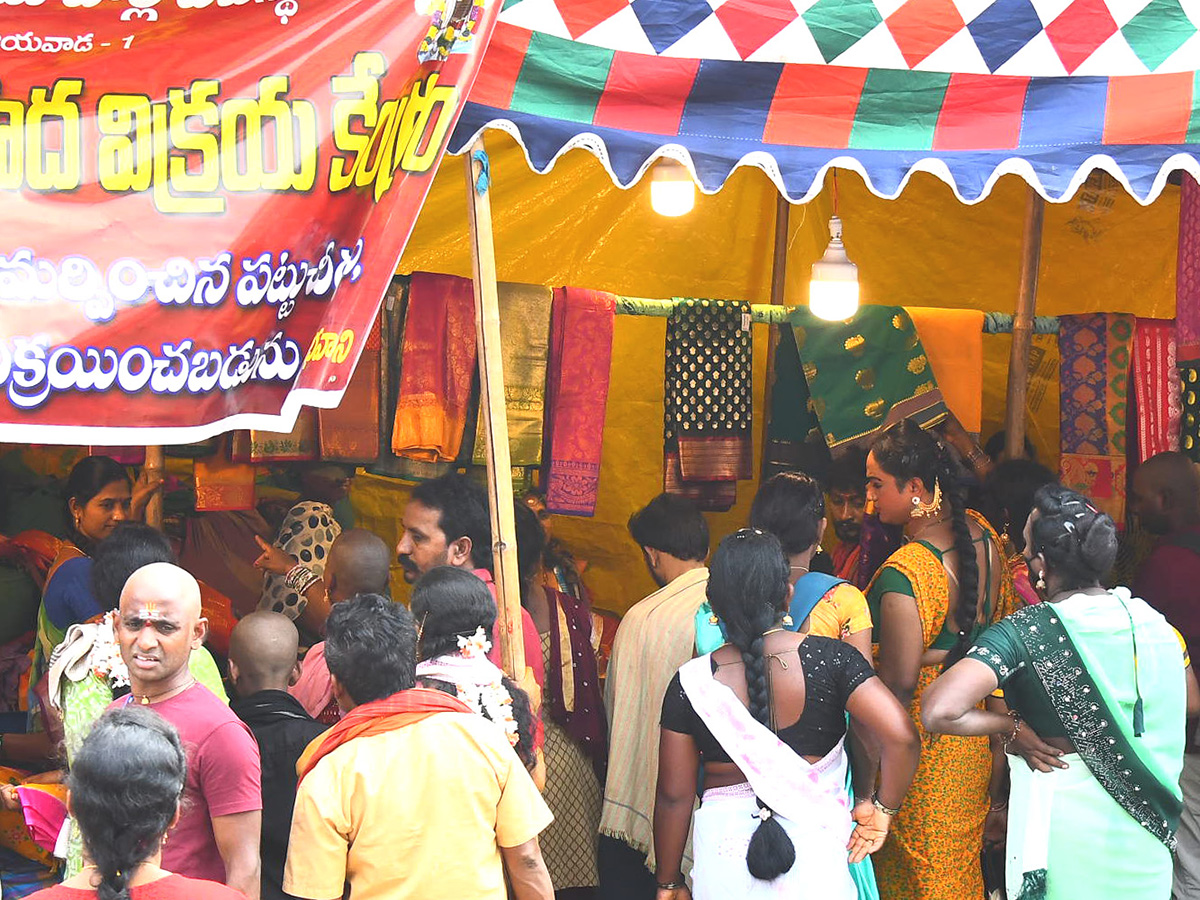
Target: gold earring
<point x="713" y="620"/>
<point x="787" y="620"/>
<point x="921" y="510"/>
<point x="1040" y="584"/>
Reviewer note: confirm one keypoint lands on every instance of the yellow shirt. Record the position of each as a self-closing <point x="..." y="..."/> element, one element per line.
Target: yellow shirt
<point x="418" y="812"/>
<point x="841" y="612"/>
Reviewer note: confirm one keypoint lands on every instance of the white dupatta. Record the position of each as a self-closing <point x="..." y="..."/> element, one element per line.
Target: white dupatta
<point x="794" y="788"/>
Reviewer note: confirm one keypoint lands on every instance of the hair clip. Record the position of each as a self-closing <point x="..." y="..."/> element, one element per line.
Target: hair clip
<point x="1070" y="526"/>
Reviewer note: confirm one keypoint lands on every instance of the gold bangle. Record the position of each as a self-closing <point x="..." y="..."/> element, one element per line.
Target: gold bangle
<point x="884" y="809"/>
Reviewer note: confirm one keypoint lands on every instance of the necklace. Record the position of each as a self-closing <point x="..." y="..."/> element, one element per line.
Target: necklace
<point x="147" y="699"/>
<point x="925" y="527"/>
<point x="801" y="568"/>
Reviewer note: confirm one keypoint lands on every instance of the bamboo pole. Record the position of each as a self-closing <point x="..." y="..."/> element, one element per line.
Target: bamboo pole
<point x="495" y="417"/>
<point x="1018" y="362"/>
<point x="778" y="290"/>
<point x="154" y="509"/>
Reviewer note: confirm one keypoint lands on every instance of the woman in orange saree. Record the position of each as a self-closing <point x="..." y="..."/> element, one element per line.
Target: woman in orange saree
<point x="928" y="601"/>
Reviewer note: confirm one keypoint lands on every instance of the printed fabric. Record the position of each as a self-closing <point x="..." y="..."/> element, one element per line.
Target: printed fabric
<point x="1156" y="388"/>
<point x="1095" y="352"/>
<point x="350" y="431"/>
<point x="933" y="850"/>
<point x="708" y="401"/>
<point x="1187" y="315"/>
<point x="866" y="373"/>
<point x="581" y="338"/>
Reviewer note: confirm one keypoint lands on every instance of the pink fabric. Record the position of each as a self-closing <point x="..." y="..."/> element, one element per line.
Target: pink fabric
<point x="1156" y="385"/>
<point x="314" y="690"/>
<point x="1187" y="273"/>
<point x="223" y="778"/>
<point x="44" y="816"/>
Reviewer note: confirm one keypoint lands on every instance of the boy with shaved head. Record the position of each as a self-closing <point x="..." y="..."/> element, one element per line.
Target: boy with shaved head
<point x="359" y="563"/>
<point x="262" y="665"/>
<point x="158" y="626"/>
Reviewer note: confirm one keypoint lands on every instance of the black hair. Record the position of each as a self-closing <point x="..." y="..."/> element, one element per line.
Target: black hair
<point x="126" y="782"/>
<point x="1008" y="496"/>
<point x="790" y="506"/>
<point x="371" y="646"/>
<point x="1078" y="542"/>
<point x="906" y="451"/>
<point x="449" y="603"/>
<point x="748" y="589"/>
<point x="673" y="525"/>
<point x="130" y="546"/>
<point x="531" y="544"/>
<point x="848" y="472"/>
<point x="89" y="477"/>
<point x="996" y="443"/>
<point x="463" y="512"/>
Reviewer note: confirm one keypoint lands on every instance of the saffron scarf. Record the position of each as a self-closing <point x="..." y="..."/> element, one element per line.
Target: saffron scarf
<point x="581" y="338"/>
<point x="436" y="367"/>
<point x="524" y="346"/>
<point x="866" y="374"/>
<point x="708" y="401"/>
<point x="1094" y="402"/>
<point x="1156" y="388"/>
<point x="378" y="717"/>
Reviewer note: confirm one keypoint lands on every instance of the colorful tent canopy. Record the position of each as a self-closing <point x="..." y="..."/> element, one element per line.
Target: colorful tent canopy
<point x="968" y="90"/>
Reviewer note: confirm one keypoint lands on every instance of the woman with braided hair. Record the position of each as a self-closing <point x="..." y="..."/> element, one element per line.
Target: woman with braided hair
<point x="765" y="715"/>
<point x="929" y="601"/>
<point x="126" y="785"/>
<point x="1099" y="687"/>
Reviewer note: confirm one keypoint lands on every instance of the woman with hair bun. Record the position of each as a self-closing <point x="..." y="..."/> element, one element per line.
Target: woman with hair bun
<point x="126" y="786"/>
<point x="1099" y="687"/>
<point x="765" y="715"/>
<point x="928" y="602"/>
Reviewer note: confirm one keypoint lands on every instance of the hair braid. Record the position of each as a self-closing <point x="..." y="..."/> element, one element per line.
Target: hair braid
<point x="748" y="583"/>
<point x="965" y="610"/>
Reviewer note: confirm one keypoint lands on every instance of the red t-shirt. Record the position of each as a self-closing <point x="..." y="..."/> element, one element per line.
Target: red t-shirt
<point x="173" y="887"/>
<point x="1168" y="580"/>
<point x="223" y="778"/>
<point x="529" y="636"/>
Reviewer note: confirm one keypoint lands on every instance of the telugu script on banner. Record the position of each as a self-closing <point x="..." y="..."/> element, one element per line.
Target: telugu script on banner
<point x="202" y="203"/>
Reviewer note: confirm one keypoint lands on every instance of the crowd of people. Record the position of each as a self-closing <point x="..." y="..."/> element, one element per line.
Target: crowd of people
<point x="952" y="703"/>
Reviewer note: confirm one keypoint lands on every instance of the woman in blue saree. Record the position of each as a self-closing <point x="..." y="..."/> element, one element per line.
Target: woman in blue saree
<point x="1099" y="687"/>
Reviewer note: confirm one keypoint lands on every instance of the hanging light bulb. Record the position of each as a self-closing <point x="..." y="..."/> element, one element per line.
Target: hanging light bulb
<point x="833" y="290"/>
<point x="672" y="190"/>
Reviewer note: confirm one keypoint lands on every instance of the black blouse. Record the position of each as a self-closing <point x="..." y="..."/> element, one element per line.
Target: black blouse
<point x="832" y="670"/>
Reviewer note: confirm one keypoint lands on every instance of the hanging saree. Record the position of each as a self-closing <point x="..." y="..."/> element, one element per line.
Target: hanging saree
<point x="866" y="373"/>
<point x="708" y="401"/>
<point x="1106" y="672"/>
<point x="933" y="850"/>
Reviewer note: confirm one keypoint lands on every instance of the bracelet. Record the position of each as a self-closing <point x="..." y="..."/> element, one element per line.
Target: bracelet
<point x="998" y="807"/>
<point x="300" y="578"/>
<point x="888" y="810"/>
<point x="1009" y="738"/>
<point x="670" y="885"/>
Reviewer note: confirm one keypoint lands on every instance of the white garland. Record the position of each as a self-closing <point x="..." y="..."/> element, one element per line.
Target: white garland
<point x="105" y="657"/>
<point x="478" y="683"/>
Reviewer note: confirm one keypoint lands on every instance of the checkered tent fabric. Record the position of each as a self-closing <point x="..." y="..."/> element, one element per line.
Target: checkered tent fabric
<point x="966" y="89"/>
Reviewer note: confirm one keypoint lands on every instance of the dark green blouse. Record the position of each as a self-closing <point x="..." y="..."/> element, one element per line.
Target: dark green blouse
<point x="1002" y="651"/>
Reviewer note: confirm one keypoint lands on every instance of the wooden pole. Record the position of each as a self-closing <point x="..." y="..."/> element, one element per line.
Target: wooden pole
<point x="1018" y="362"/>
<point x="495" y="418"/>
<point x="778" y="290"/>
<point x="154" y="509"/>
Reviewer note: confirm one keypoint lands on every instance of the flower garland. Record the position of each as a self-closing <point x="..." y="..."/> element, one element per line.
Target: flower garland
<point x="477" y="681"/>
<point x="105" y="657"/>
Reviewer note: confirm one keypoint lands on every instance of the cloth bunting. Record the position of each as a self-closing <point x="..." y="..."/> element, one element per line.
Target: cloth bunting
<point x="1095" y="354"/>
<point x="1156" y="388"/>
<point x="350" y="433"/>
<point x="436" y="368"/>
<point x="866" y="373"/>
<point x="1187" y="314"/>
<point x="524" y="346"/>
<point x="708" y="401"/>
<point x="581" y="337"/>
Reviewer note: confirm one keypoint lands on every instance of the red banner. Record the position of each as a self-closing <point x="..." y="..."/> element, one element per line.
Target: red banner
<point x="202" y="203"/>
